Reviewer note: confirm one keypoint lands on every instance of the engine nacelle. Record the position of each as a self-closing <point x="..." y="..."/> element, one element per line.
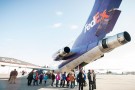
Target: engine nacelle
<point x="112" y="42"/>
<point x="64" y="51"/>
<point x="60" y="54"/>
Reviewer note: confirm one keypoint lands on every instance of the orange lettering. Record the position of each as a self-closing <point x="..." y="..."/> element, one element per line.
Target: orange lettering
<point x="104" y="15"/>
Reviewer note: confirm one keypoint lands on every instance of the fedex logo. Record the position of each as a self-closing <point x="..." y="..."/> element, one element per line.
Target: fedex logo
<point x="96" y="19"/>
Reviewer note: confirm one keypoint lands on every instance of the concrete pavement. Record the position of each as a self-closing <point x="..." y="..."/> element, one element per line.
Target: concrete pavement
<point x="104" y="82"/>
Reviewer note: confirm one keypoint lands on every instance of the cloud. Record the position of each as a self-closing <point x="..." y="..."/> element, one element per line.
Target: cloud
<point x="57" y="25"/>
<point x="59" y="13"/>
<point x="73" y="27"/>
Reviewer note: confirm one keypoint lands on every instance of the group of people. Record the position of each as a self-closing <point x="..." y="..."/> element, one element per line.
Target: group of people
<point x="81" y="77"/>
<point x="69" y="79"/>
<point x="63" y="79"/>
<point x="92" y="79"/>
<point x="13" y="75"/>
<point x="38" y="78"/>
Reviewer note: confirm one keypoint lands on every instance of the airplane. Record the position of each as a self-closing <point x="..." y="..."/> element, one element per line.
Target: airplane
<point x="92" y="43"/>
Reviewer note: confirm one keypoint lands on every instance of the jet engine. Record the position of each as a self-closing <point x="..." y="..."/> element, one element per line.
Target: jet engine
<point x="62" y="53"/>
<point x="112" y="42"/>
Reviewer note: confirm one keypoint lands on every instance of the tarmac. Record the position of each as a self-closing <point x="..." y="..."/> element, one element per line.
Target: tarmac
<point x="104" y="82"/>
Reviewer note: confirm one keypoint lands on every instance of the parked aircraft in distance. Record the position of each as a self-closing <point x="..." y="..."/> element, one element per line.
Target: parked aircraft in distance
<point x="92" y="43"/>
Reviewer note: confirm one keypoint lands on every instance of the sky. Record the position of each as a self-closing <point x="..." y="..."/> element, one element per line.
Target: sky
<point x="33" y="30"/>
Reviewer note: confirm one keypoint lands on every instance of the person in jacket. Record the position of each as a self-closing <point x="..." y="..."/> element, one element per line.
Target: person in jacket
<point x="68" y="80"/>
<point x="45" y="78"/>
<point x="93" y="80"/>
<point x="85" y="83"/>
<point x="63" y="79"/>
<point x="57" y="79"/>
<point x="72" y="79"/>
<point x="13" y="76"/>
<point x="89" y="78"/>
<point x="40" y="78"/>
<point x="53" y="78"/>
<point x="80" y="79"/>
<point x="35" y="77"/>
<point x="30" y="77"/>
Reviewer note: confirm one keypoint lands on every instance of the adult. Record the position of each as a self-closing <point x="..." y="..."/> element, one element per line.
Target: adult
<point x="57" y="79"/>
<point x="93" y="79"/>
<point x="13" y="76"/>
<point x="30" y="77"/>
<point x="89" y="79"/>
<point x="41" y="78"/>
<point x="72" y="79"/>
<point x="35" y="77"/>
<point x="63" y="79"/>
<point x="53" y="78"/>
<point x="80" y="79"/>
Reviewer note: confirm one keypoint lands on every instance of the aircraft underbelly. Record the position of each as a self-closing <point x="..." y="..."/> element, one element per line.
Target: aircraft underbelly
<point x="87" y="57"/>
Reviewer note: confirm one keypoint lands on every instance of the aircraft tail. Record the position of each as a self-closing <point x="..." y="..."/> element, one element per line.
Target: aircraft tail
<point x="100" y="22"/>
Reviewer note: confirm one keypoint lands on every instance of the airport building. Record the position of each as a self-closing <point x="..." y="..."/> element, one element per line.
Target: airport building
<point x="8" y="64"/>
